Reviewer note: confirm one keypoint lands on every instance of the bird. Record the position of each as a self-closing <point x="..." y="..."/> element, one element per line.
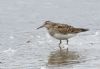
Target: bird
<point x="61" y="31"/>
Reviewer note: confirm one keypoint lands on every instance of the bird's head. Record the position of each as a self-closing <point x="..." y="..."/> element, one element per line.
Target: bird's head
<point x="46" y="24"/>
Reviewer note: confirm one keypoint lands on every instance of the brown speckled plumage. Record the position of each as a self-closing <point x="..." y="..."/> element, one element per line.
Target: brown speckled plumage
<point x="63" y="28"/>
<point x="61" y="31"/>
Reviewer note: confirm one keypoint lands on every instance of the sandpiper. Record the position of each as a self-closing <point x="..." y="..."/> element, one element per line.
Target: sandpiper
<point x="61" y="31"/>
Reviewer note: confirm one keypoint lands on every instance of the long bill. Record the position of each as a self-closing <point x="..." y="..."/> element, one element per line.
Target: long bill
<point x="40" y="27"/>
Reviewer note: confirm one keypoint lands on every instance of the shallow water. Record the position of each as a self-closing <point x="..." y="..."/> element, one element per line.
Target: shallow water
<point x="63" y="57"/>
<point x="24" y="47"/>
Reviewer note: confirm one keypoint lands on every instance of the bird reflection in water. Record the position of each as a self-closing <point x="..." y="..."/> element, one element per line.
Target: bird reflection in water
<point x="63" y="57"/>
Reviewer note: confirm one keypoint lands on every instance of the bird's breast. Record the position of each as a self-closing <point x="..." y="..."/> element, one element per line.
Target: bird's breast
<point x="51" y="32"/>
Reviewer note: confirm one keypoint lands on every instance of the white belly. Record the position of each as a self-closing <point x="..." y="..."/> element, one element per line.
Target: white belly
<point x="63" y="36"/>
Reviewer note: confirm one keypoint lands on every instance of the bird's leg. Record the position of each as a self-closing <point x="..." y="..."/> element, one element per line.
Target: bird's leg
<point x="60" y="44"/>
<point x="67" y="41"/>
<point x="67" y="44"/>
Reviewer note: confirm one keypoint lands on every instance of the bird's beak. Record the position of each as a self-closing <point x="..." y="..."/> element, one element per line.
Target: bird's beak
<point x="40" y="27"/>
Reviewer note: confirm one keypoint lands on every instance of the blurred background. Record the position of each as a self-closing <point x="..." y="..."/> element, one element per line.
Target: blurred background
<point x="24" y="47"/>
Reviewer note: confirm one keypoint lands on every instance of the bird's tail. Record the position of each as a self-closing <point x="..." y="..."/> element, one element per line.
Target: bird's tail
<point x="83" y="30"/>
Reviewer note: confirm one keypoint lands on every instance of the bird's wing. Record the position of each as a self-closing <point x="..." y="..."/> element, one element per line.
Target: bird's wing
<point x="64" y="29"/>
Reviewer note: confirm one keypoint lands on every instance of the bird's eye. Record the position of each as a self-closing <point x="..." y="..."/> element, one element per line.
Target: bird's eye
<point x="46" y="22"/>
